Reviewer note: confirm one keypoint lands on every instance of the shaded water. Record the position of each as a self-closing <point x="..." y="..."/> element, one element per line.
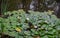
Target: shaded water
<point x="22" y="4"/>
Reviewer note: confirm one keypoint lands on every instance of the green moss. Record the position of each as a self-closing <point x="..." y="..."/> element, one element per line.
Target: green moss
<point x="38" y="23"/>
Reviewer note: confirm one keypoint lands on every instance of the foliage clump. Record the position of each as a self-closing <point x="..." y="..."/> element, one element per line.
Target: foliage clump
<point x="18" y="24"/>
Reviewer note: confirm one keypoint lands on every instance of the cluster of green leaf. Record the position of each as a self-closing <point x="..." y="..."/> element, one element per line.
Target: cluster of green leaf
<point x="18" y="24"/>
